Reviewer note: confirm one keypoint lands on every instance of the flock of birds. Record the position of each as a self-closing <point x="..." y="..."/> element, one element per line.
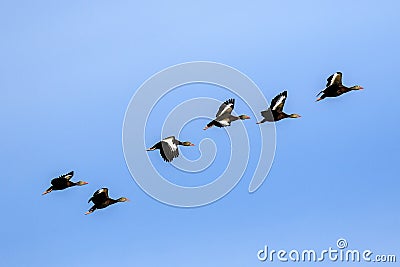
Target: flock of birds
<point x="168" y="147"/>
<point x="100" y="198"/>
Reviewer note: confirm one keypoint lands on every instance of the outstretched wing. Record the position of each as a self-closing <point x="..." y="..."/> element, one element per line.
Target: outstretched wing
<point x="169" y="148"/>
<point x="334" y="79"/>
<point x="226" y="107"/>
<point x="99" y="196"/>
<point x="278" y="102"/>
<point x="267" y="113"/>
<point x="67" y="176"/>
<point x="103" y="191"/>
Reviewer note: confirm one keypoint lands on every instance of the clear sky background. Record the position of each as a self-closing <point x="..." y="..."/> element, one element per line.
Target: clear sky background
<point x="68" y="71"/>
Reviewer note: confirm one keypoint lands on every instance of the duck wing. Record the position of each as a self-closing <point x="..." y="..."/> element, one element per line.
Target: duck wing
<point x="278" y="102"/>
<point x="169" y="148"/>
<point x="99" y="196"/>
<point x="226" y="107"/>
<point x="334" y="79"/>
<point x="67" y="176"/>
<point x="267" y="113"/>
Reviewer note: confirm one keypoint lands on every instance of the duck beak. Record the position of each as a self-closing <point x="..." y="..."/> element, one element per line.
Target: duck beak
<point x="192" y="144"/>
<point x="85" y="183"/>
<point x="88" y="212"/>
<point x="361" y="87"/>
<point x="318" y="99"/>
<point x="247" y="117"/>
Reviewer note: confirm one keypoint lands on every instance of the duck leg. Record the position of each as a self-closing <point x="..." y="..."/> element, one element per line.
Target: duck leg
<point x="264" y="120"/>
<point x="156" y="146"/>
<point x="91" y="210"/>
<point x="48" y="190"/>
<point x="211" y="124"/>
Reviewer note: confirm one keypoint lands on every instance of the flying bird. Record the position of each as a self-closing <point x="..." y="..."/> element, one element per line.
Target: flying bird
<point x="101" y="200"/>
<point x="63" y="182"/>
<point x="334" y="87"/>
<point x="224" y="117"/>
<point x="169" y="147"/>
<point x="275" y="111"/>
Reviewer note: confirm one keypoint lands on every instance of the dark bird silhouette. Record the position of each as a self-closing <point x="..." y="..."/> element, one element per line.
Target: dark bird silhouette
<point x="63" y="182"/>
<point x="101" y="200"/>
<point x="334" y="87"/>
<point x="224" y="117"/>
<point x="169" y="147"/>
<point x="275" y="111"/>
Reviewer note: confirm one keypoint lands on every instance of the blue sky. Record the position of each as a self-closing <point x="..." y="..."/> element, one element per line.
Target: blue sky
<point x="69" y="70"/>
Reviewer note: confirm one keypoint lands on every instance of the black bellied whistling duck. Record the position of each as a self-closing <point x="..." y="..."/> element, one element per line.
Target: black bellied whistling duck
<point x="63" y="182"/>
<point x="101" y="200"/>
<point x="224" y="117"/>
<point x="275" y="111"/>
<point x="334" y="87"/>
<point x="169" y="147"/>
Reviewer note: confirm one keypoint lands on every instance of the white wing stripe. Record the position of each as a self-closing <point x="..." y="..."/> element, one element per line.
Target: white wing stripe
<point x="333" y="78"/>
<point x="225" y="109"/>
<point x="100" y="191"/>
<point x="278" y="102"/>
<point x="171" y="144"/>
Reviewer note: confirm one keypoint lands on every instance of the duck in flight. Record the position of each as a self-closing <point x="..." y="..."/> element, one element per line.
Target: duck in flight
<point x="224" y="117"/>
<point x="334" y="87"/>
<point x="169" y="147"/>
<point x="275" y="111"/>
<point x="101" y="200"/>
<point x="63" y="182"/>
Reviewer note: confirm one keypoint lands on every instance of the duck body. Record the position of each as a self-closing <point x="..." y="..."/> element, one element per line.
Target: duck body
<point x="275" y="110"/>
<point x="62" y="182"/>
<point x="169" y="147"/>
<point x="334" y="87"/>
<point x="101" y="200"/>
<point x="224" y="118"/>
<point x="277" y="116"/>
<point x="222" y="121"/>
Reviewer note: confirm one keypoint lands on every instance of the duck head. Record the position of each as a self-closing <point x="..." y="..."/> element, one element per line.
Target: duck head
<point x="186" y="143"/>
<point x="81" y="183"/>
<point x="356" y="87"/>
<point x="123" y="199"/>
<point x="244" y="117"/>
<point x="294" y="116"/>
